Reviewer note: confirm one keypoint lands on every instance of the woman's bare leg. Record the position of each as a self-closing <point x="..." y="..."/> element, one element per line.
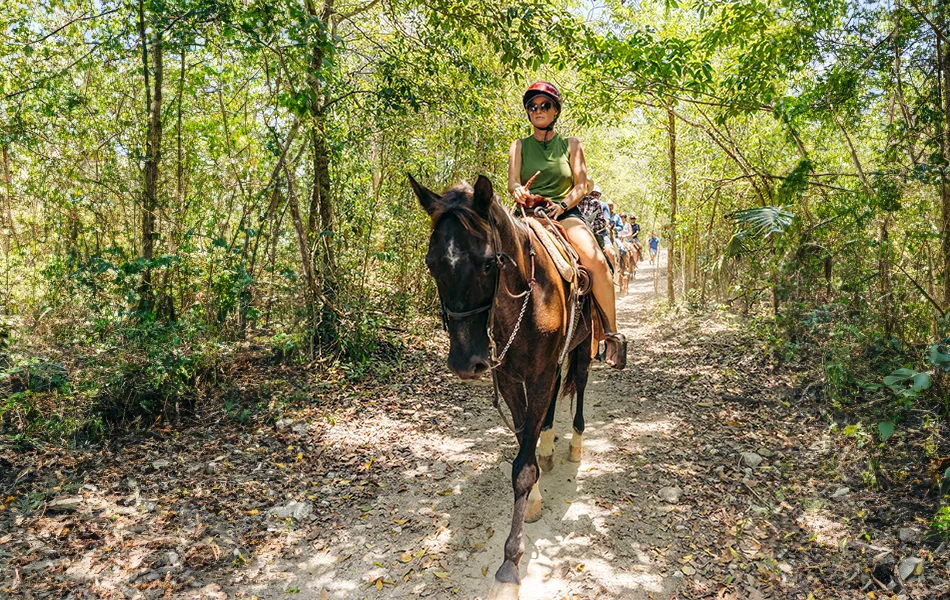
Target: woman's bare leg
<point x="592" y="259"/>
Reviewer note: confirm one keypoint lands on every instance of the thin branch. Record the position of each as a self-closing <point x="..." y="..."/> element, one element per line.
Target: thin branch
<point x="83" y="17"/>
<point x="37" y="83"/>
<point x="923" y="16"/>
<point x="923" y="291"/>
<point x="356" y="11"/>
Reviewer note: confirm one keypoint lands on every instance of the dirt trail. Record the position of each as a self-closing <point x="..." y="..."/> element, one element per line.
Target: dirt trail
<point x="455" y="501"/>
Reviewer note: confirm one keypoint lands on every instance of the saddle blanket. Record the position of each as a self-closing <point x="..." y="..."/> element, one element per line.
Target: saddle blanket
<point x="555" y="249"/>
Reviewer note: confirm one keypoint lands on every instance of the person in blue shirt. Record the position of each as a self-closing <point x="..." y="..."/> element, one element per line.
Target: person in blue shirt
<point x="654" y="246"/>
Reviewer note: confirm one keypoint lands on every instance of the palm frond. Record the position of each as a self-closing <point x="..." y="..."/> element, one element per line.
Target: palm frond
<point x="762" y="221"/>
<point x="754" y="226"/>
<point x="737" y="245"/>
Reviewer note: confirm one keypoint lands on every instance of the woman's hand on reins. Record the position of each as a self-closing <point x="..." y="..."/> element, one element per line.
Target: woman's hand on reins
<point x="554" y="211"/>
<point x="520" y="194"/>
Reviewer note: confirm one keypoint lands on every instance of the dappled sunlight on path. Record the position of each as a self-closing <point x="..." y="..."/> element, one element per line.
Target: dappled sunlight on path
<point x="678" y="493"/>
<point x="438" y="526"/>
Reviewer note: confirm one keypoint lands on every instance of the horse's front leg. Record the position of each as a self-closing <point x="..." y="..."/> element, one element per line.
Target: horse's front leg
<point x="546" y="447"/>
<point x="527" y="494"/>
<point x="581" y="374"/>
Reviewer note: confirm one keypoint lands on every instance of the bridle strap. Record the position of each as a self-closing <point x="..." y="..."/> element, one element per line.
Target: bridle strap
<point x="451" y="314"/>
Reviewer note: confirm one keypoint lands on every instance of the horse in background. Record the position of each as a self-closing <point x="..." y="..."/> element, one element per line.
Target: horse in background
<point x="627" y="261"/>
<point x="634" y="256"/>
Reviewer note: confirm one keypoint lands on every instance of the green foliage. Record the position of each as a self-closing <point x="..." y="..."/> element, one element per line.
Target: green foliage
<point x="941" y="521"/>
<point x="887" y="193"/>
<point x="156" y="373"/>
<point x="274" y="112"/>
<point x="754" y="226"/>
<point x="907" y="383"/>
<point x="939" y="355"/>
<point x="795" y="184"/>
<point x="886" y="429"/>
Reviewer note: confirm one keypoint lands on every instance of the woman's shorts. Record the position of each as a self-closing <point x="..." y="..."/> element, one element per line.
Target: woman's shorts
<point x="573" y="212"/>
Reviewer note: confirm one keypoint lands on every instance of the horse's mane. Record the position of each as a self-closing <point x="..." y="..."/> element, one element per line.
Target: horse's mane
<point x="457" y="201"/>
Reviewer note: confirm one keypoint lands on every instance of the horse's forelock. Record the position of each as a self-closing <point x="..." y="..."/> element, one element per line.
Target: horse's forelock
<point x="457" y="201"/>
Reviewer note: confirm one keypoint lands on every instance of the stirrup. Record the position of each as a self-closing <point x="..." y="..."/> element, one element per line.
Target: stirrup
<point x="584" y="281"/>
<point x="621" y="341"/>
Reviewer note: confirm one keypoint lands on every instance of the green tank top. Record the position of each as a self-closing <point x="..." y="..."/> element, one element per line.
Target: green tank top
<point x="553" y="160"/>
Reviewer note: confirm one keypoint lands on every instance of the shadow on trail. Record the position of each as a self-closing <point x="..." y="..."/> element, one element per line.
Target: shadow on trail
<point x="440" y="528"/>
<point x="439" y="523"/>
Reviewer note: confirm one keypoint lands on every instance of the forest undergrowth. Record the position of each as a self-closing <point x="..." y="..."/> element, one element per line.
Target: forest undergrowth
<point x="259" y="428"/>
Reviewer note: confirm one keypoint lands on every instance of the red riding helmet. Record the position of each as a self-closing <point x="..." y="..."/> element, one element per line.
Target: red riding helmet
<point x="544" y="88"/>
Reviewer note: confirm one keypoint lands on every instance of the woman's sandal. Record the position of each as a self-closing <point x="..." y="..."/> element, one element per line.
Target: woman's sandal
<point x="619" y="342"/>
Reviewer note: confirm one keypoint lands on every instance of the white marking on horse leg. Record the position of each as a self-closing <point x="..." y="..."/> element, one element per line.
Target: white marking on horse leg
<point x="546" y="450"/>
<point x="504" y="591"/>
<point x="532" y="511"/>
<point x="576" y="447"/>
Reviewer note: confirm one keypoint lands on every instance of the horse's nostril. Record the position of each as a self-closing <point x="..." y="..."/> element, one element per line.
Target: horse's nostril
<point x="480" y="368"/>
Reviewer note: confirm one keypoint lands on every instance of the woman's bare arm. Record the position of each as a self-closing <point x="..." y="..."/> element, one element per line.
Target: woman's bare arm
<point x="514" y="172"/>
<point x="579" y="169"/>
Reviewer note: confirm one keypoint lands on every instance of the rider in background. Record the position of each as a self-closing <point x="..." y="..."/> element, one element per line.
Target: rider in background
<point x="559" y="171"/>
<point x="602" y="235"/>
<point x="626" y="232"/>
<point x="634" y="228"/>
<point x="619" y="232"/>
<point x="612" y="218"/>
<point x="654" y="243"/>
<point x="635" y="233"/>
<point x="605" y="207"/>
<point x="615" y="219"/>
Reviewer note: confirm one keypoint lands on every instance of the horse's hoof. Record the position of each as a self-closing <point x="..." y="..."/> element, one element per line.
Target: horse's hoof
<point x="532" y="511"/>
<point x="504" y="591"/>
<point x="546" y="463"/>
<point x="574" y="453"/>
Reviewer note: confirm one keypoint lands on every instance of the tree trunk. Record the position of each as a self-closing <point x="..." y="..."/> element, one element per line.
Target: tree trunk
<point x="320" y="206"/>
<point x="320" y="218"/>
<point x="712" y="219"/>
<point x="6" y="223"/>
<point x="153" y="146"/>
<point x="7" y="206"/>
<point x="180" y="166"/>
<point x="313" y="284"/>
<point x="899" y="87"/>
<point x="884" y="272"/>
<point x="943" y="54"/>
<point x="670" y="259"/>
<point x="179" y="188"/>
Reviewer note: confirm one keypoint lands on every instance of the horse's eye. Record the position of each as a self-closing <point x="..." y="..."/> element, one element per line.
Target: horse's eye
<point x="488" y="265"/>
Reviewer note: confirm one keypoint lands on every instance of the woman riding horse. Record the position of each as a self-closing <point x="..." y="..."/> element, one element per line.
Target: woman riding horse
<point x="558" y="172"/>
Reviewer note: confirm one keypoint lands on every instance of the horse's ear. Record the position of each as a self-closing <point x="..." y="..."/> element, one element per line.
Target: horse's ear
<point x="483" y="196"/>
<point x="427" y="198"/>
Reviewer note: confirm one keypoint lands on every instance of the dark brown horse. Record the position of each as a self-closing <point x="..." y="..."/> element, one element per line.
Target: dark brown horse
<point x="508" y="312"/>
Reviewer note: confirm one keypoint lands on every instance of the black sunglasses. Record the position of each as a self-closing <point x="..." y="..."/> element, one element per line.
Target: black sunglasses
<point x="543" y="107"/>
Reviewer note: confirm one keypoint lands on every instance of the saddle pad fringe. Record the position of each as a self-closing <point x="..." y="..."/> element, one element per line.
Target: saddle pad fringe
<point x="556" y="250"/>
